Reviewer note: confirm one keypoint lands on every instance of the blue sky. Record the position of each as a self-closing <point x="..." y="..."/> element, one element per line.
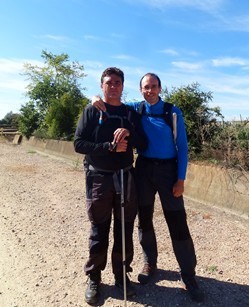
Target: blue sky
<point x="183" y="41"/>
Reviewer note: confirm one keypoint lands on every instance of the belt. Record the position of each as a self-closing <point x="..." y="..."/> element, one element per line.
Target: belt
<point x="115" y="176"/>
<point x="97" y="169"/>
<point x="156" y="160"/>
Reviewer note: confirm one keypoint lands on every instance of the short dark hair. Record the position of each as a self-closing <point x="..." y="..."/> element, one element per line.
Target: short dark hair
<point x="112" y="71"/>
<point x="151" y="75"/>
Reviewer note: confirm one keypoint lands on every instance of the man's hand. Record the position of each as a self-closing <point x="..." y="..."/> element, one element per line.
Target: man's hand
<point x="120" y="135"/>
<point x="98" y="103"/>
<point x="122" y="146"/>
<point x="178" y="188"/>
<point x="120" y="139"/>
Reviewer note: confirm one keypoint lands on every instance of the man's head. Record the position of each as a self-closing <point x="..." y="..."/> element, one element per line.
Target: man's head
<point x="112" y="83"/>
<point x="112" y="71"/>
<point x="150" y="87"/>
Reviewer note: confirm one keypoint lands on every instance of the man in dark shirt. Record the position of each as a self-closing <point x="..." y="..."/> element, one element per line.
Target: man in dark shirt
<point x="107" y="140"/>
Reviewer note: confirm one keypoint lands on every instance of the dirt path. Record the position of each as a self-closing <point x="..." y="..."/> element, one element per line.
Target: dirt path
<point x="44" y="243"/>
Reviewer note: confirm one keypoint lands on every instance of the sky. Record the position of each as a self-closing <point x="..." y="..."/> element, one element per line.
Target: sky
<point x="183" y="41"/>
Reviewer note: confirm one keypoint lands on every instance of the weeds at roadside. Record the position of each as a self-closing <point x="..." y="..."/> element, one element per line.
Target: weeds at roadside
<point x="212" y="268"/>
<point x="76" y="164"/>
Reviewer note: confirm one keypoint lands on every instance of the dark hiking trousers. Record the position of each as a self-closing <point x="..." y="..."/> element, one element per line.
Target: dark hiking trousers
<point x="103" y="201"/>
<point x="152" y="176"/>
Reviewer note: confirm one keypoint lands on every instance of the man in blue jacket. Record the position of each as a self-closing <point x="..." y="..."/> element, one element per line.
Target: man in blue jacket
<point x="161" y="168"/>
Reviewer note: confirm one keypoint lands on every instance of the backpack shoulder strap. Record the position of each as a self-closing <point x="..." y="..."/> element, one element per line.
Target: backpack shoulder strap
<point x="167" y="111"/>
<point x="166" y="115"/>
<point x="141" y="108"/>
<point x="105" y="116"/>
<point x="129" y="113"/>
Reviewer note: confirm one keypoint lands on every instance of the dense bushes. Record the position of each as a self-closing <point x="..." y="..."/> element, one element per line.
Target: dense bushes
<point x="210" y="138"/>
<point x="229" y="147"/>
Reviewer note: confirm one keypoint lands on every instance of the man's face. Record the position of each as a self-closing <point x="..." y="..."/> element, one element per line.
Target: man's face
<point x="150" y="89"/>
<point x="112" y="88"/>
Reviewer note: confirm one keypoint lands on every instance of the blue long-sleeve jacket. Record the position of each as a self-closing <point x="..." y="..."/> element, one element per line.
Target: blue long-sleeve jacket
<point x="161" y="142"/>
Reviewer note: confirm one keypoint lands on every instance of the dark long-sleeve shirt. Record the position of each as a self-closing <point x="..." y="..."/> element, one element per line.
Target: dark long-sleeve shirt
<point x="93" y="138"/>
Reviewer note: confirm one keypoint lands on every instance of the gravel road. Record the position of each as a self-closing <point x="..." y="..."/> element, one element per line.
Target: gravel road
<point x="44" y="242"/>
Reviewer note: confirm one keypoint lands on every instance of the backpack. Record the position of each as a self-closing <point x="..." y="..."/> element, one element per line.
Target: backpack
<point x="105" y="115"/>
<point x="166" y="115"/>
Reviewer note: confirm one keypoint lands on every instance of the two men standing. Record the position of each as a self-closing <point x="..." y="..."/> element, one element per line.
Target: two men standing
<point x="160" y="168"/>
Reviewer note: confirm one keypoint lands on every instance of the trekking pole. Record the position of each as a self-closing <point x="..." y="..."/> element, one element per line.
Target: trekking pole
<point x="123" y="233"/>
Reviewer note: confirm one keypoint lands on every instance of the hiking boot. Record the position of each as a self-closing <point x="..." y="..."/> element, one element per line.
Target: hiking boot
<point x="146" y="274"/>
<point x="92" y="290"/>
<point x="191" y="286"/>
<point x="119" y="283"/>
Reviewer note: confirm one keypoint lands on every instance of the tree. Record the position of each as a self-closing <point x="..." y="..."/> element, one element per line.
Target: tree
<point x="29" y="120"/>
<point x="50" y="85"/>
<point x="201" y="120"/>
<point x="63" y="115"/>
<point x="11" y="120"/>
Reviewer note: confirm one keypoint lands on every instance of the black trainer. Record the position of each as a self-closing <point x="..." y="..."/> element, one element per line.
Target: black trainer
<point x="191" y="286"/>
<point x="147" y="272"/>
<point x="92" y="290"/>
<point x="119" y="283"/>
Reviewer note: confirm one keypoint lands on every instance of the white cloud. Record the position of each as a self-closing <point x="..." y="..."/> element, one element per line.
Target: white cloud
<point x="15" y="65"/>
<point x="92" y="64"/>
<point x="230" y="103"/>
<point x="174" y="52"/>
<point x="10" y="74"/>
<point x="10" y="66"/>
<point x="13" y="84"/>
<point x="123" y="57"/>
<point x="234" y="23"/>
<point x="187" y="65"/>
<point x="55" y="37"/>
<point x="224" y="20"/>
<point x="204" y="5"/>
<point x="229" y="84"/>
<point x="229" y="61"/>
<point x="170" y="51"/>
<point x="96" y="38"/>
<point x="91" y="37"/>
<point x="230" y="89"/>
<point x="118" y="36"/>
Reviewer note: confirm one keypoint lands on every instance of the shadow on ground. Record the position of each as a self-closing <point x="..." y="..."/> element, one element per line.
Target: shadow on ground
<point x="217" y="293"/>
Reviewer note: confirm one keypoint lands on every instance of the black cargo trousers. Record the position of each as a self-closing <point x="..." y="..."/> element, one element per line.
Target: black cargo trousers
<point x="152" y="176"/>
<point x="103" y="202"/>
